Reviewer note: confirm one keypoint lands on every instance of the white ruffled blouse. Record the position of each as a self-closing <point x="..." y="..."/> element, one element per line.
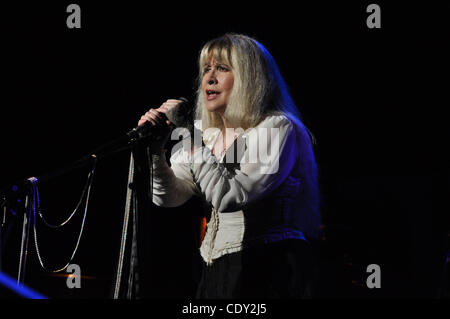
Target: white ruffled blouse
<point x="252" y="191"/>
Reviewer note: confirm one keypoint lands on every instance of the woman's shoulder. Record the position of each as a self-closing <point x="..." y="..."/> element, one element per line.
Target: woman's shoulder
<point x="278" y="119"/>
<point x="289" y="124"/>
<point x="280" y="122"/>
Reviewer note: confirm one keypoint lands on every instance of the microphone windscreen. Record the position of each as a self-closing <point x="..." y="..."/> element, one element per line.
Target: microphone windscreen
<point x="182" y="114"/>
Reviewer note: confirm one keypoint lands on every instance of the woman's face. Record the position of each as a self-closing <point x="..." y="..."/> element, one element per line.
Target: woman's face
<point x="217" y="84"/>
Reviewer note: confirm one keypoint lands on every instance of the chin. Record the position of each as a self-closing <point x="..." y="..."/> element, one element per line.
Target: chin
<point x="213" y="107"/>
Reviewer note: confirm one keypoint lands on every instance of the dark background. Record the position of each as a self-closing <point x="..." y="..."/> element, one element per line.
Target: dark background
<point x="375" y="100"/>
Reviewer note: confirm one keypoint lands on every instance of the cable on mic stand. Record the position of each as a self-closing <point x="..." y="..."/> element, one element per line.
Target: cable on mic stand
<point x="32" y="206"/>
<point x="139" y="197"/>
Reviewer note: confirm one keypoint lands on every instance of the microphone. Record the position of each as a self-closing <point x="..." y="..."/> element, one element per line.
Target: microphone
<point x="181" y="116"/>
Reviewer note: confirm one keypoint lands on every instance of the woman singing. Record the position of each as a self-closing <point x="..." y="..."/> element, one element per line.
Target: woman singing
<point x="256" y="174"/>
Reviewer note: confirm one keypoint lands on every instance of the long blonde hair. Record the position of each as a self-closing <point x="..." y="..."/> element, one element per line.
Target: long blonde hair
<point x="258" y="86"/>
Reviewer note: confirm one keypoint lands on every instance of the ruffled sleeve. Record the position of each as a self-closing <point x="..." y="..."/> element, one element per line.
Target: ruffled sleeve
<point x="172" y="186"/>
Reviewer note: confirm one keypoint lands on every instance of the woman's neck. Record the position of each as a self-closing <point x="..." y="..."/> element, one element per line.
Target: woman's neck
<point x="227" y="129"/>
<point x="224" y="122"/>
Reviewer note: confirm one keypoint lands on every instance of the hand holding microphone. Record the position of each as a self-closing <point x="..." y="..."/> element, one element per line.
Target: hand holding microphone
<point x="157" y="116"/>
<point x="159" y="122"/>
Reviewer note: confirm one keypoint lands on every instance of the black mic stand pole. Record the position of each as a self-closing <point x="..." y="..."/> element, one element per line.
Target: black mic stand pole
<point x="132" y="257"/>
<point x="126" y="217"/>
<point x="132" y="246"/>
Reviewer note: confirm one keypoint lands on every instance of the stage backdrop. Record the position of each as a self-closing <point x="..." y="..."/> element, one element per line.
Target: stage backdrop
<point x="373" y="98"/>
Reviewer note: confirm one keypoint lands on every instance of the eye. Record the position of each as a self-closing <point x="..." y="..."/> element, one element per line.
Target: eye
<point x="206" y="69"/>
<point x="222" y="68"/>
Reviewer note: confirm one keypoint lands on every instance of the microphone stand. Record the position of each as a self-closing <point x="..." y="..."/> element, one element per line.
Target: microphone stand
<point x="132" y="257"/>
<point x="12" y="193"/>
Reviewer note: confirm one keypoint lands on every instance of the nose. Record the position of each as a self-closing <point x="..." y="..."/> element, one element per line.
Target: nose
<point x="211" y="78"/>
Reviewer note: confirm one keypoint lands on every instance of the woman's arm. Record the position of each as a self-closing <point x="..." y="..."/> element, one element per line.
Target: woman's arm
<point x="172" y="186"/>
<point x="228" y="191"/>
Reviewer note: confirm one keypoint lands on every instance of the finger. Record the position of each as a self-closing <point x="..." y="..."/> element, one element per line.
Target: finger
<point x="171" y="103"/>
<point x="152" y="111"/>
<point x="165" y="110"/>
<point x="157" y="112"/>
<point x="155" y="115"/>
<point x="143" y="120"/>
<point x="160" y="113"/>
<point x="150" y="118"/>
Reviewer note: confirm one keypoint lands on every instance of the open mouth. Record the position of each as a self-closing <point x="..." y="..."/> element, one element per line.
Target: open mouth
<point x="211" y="94"/>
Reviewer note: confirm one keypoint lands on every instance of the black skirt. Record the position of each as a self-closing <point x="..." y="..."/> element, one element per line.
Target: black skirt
<point x="282" y="269"/>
